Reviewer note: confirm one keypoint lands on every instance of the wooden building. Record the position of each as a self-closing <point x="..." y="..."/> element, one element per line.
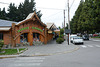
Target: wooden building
<point x="29" y="29"/>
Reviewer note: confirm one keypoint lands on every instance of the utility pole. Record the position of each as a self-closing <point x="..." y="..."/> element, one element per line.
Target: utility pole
<point x="68" y="16"/>
<point x="64" y="22"/>
<point x="64" y="26"/>
<point x="68" y="23"/>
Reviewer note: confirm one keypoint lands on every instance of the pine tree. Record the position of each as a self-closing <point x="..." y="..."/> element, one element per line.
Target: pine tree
<point x="12" y="12"/>
<point x="87" y="17"/>
<point x="21" y="12"/>
<point x="75" y="26"/>
<point x="3" y="14"/>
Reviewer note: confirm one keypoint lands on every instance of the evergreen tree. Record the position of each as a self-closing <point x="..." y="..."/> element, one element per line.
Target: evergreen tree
<point x="75" y="27"/>
<point x="12" y="12"/>
<point x="87" y="17"/>
<point x="21" y="12"/>
<point x="96" y="15"/>
<point x="3" y="14"/>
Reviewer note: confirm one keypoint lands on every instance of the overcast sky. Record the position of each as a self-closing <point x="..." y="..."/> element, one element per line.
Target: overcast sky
<point x="52" y="10"/>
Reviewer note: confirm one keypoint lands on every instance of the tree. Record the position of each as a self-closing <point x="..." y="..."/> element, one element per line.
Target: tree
<point x="3" y="14"/>
<point x="86" y="18"/>
<point x="12" y="12"/>
<point x="96" y="15"/>
<point x="75" y="27"/>
<point x="61" y="31"/>
<point x="27" y="7"/>
<point x="21" y="12"/>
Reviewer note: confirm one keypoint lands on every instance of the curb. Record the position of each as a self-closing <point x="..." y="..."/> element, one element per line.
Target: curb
<point x="8" y="57"/>
<point x="49" y="54"/>
<point x="22" y="51"/>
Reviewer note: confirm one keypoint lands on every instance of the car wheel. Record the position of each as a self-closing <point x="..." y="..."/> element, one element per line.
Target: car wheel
<point x="71" y="41"/>
<point x="82" y="43"/>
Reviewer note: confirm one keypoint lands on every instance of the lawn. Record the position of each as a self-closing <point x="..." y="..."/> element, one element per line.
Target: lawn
<point x="11" y="51"/>
<point x="96" y="37"/>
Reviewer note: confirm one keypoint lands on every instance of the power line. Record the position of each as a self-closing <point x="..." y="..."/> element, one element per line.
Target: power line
<point x="52" y="15"/>
<point x="50" y="8"/>
<point x="40" y="7"/>
<point x="72" y="4"/>
<point x="4" y="3"/>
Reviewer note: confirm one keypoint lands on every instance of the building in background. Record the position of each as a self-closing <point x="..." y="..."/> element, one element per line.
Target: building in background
<point x="27" y="30"/>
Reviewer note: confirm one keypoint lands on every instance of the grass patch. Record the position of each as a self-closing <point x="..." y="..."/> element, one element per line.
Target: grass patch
<point x="95" y="37"/>
<point x="21" y="49"/>
<point x="11" y="51"/>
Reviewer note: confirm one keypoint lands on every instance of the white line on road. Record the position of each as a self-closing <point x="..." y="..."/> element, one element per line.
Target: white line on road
<point x="83" y="46"/>
<point x="97" y="45"/>
<point x="89" y="45"/>
<point x="24" y="64"/>
<point x="29" y="61"/>
<point x="32" y="58"/>
<point x="95" y="40"/>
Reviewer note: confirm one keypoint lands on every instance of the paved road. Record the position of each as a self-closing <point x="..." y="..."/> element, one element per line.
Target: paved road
<point x="87" y="56"/>
<point x="22" y="62"/>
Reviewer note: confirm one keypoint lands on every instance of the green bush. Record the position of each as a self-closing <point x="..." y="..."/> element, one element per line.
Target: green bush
<point x="61" y="31"/>
<point x="1" y="44"/>
<point x="60" y="40"/>
<point x="99" y="35"/>
<point x="61" y="36"/>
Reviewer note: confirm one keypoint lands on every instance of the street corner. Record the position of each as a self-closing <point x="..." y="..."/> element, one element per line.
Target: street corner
<point x="54" y="53"/>
<point x="68" y="51"/>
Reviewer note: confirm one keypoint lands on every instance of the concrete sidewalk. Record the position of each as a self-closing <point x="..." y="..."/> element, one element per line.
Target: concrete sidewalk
<point x="51" y="48"/>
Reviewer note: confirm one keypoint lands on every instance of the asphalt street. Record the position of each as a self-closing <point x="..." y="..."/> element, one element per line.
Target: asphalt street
<point x="87" y="56"/>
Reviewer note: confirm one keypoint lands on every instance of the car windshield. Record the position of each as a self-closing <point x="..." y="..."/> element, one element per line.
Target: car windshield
<point x="73" y="36"/>
<point x="77" y="38"/>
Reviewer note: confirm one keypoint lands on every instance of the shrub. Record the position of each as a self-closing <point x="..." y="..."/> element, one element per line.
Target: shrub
<point x="61" y="36"/>
<point x="1" y="44"/>
<point x="61" y="31"/>
<point x="60" y="40"/>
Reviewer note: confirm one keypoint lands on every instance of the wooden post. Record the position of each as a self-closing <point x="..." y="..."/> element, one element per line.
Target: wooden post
<point x="13" y="35"/>
<point x="30" y="36"/>
<point x="45" y="33"/>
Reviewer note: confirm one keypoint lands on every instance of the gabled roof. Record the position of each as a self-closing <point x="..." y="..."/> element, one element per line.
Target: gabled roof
<point x="51" y="25"/>
<point x="30" y="17"/>
<point x="6" y="23"/>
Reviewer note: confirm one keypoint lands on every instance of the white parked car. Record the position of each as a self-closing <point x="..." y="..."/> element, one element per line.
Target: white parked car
<point x="77" y="40"/>
<point x="71" y="38"/>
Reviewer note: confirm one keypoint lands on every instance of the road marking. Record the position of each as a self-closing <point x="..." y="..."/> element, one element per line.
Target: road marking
<point x="89" y="45"/>
<point x="95" y="40"/>
<point x="27" y="61"/>
<point x="32" y="58"/>
<point x="97" y="45"/>
<point x="83" y="46"/>
<point x="25" y="64"/>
